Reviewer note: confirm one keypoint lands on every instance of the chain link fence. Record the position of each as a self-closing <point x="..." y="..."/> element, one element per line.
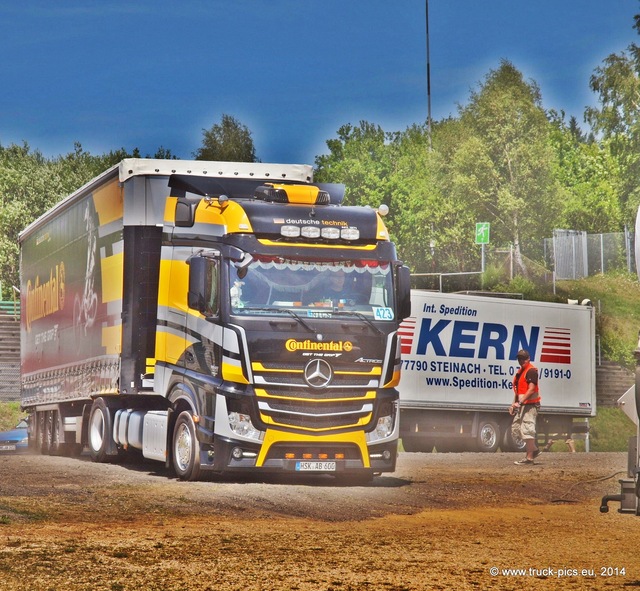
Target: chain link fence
<point x="574" y="255"/>
<point x="569" y="254"/>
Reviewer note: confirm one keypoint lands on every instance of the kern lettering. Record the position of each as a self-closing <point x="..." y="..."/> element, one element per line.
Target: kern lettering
<point x="471" y="340"/>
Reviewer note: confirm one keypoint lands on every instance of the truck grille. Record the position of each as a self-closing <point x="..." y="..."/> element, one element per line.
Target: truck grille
<point x="286" y="400"/>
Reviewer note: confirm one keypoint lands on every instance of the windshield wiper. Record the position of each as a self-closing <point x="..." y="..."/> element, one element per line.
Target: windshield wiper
<point x="286" y="311"/>
<point x="357" y="315"/>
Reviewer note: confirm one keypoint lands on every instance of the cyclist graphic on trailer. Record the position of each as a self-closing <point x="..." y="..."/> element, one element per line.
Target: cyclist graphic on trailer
<point x="85" y="308"/>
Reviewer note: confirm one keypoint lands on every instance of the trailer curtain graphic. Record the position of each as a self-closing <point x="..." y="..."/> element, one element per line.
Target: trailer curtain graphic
<point x="45" y="298"/>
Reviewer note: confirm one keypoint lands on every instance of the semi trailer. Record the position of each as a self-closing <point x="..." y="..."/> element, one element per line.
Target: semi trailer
<point x="182" y="310"/>
<point x="458" y="362"/>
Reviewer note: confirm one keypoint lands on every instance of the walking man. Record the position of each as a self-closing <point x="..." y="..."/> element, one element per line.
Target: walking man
<point x="524" y="407"/>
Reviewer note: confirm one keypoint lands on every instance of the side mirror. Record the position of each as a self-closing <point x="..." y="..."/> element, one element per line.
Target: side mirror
<point x="185" y="213"/>
<point x="196" y="297"/>
<point x="241" y="260"/>
<point x="403" y="291"/>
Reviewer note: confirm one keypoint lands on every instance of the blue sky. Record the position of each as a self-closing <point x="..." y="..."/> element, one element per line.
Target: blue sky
<point x="147" y="73"/>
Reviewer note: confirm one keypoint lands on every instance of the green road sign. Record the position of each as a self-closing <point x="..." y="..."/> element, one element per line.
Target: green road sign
<point x="482" y="233"/>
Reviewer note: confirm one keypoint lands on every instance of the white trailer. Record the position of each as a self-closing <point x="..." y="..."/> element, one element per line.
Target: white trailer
<point x="459" y="359"/>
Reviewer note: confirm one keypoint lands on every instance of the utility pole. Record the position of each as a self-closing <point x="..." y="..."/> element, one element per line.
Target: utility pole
<point x="428" y="77"/>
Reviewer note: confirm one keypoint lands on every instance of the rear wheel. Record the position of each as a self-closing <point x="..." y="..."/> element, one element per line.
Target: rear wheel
<point x="509" y="443"/>
<point x="43" y="432"/>
<point x="57" y="436"/>
<point x="186" y="448"/>
<point x="488" y="439"/>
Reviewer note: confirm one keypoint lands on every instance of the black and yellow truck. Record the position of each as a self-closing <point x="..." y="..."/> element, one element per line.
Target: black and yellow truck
<point x="214" y="316"/>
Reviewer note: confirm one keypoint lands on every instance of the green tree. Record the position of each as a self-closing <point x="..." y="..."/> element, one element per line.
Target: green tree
<point x="391" y="168"/>
<point x="228" y="140"/>
<point x="617" y="119"/>
<point x="503" y="171"/>
<point x="30" y="184"/>
<point x="590" y="177"/>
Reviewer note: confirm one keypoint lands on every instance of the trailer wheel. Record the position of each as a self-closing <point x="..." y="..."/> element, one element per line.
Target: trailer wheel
<point x="56" y="441"/>
<point x="99" y="430"/>
<point x="186" y="448"/>
<point x="509" y="443"/>
<point x="43" y="432"/>
<point x="488" y="439"/>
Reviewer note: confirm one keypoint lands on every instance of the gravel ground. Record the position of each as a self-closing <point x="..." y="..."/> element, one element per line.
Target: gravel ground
<point x="441" y="521"/>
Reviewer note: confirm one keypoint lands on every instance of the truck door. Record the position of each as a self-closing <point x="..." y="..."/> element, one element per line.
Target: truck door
<point x="203" y="296"/>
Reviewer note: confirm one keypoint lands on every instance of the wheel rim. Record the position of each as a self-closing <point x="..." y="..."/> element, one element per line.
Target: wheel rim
<point x="488" y="436"/>
<point x="97" y="431"/>
<point x="183" y="447"/>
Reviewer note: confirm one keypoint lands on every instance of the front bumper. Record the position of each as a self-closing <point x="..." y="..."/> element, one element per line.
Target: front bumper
<point x="286" y="453"/>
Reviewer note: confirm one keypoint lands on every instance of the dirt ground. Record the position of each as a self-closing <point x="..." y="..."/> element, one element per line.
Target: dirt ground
<point x="441" y="521"/>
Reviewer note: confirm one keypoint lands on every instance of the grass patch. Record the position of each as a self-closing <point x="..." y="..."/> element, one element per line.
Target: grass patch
<point x="616" y="298"/>
<point x="610" y="430"/>
<point x="10" y="513"/>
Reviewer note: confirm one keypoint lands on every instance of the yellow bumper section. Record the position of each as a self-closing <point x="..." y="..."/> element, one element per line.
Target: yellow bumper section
<point x="273" y="437"/>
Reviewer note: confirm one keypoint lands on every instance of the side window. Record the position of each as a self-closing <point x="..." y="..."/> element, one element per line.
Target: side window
<point x="212" y="299"/>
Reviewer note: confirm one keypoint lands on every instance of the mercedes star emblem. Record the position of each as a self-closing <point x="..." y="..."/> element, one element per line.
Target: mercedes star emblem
<point x="318" y="373"/>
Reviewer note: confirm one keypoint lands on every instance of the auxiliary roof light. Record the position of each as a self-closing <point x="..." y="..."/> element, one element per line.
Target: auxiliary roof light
<point x="310" y="232"/>
<point x="290" y="231"/>
<point x="350" y="233"/>
<point x="330" y="233"/>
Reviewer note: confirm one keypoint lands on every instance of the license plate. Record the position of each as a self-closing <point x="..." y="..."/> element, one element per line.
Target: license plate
<point x="315" y="466"/>
<point x="7" y="448"/>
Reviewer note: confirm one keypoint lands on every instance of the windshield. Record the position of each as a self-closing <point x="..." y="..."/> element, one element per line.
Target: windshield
<point x="313" y="288"/>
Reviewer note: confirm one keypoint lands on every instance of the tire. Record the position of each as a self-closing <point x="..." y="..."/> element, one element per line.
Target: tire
<point x="508" y="442"/>
<point x="56" y="445"/>
<point x="99" y="430"/>
<point x="43" y="433"/>
<point x="489" y="434"/>
<point x="185" y="448"/>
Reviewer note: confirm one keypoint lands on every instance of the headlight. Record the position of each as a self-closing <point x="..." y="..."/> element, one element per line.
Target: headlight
<point x="383" y="429"/>
<point x="241" y="425"/>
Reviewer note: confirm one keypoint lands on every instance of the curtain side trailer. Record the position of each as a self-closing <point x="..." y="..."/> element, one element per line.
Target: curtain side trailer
<point x="180" y="310"/>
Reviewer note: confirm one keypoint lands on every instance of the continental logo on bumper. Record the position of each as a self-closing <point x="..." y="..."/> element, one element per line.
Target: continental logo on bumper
<point x="308" y="345"/>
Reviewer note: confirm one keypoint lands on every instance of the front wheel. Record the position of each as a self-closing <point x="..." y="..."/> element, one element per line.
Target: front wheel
<point x="99" y="431"/>
<point x="186" y="448"/>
